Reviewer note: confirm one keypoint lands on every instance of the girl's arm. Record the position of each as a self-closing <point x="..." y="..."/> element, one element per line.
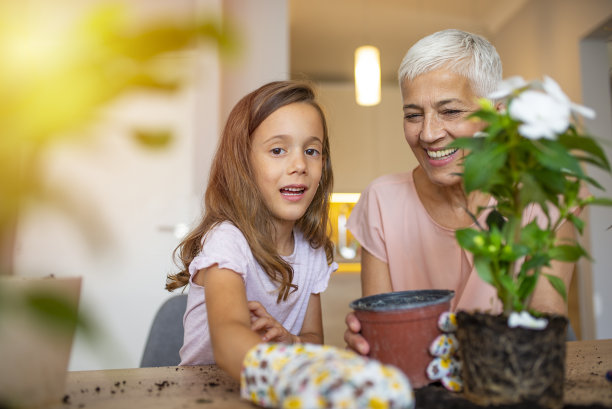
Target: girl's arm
<point x="545" y="298"/>
<point x="272" y="331"/>
<point x="228" y="317"/>
<point x="312" y="329"/>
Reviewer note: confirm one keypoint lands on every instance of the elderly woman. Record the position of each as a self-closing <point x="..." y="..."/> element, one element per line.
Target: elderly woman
<point x="406" y="222"/>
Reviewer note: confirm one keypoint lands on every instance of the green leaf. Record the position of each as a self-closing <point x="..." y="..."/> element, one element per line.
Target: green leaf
<point x="527" y="286"/>
<point x="601" y="201"/>
<point x="469" y="143"/>
<point x="53" y="310"/>
<point x="483" y="269"/>
<point x="550" y="181"/>
<point x="531" y="191"/>
<point x="567" y="253"/>
<point x="508" y="283"/>
<point x="558" y="285"/>
<point x="577" y="222"/>
<point x="534" y="263"/>
<point x="154" y="139"/>
<point x="495" y="218"/>
<point x="554" y="156"/>
<point x="586" y="144"/>
<point x="480" y="168"/>
<point x="470" y="239"/>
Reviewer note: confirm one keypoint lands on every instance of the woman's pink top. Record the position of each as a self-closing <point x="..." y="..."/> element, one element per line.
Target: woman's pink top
<point x="392" y="224"/>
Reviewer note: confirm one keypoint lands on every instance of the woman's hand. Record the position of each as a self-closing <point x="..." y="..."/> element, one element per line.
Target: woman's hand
<point x="265" y="325"/>
<point x="353" y="338"/>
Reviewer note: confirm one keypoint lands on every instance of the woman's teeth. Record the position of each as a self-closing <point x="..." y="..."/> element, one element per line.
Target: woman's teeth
<point x="441" y="153"/>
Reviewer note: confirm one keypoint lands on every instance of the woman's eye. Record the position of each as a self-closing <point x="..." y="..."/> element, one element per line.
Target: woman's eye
<point x="452" y="112"/>
<point x="412" y="117"/>
<point x="312" y="152"/>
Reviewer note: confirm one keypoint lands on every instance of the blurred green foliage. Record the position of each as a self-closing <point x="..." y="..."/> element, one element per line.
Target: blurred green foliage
<point x="55" y="77"/>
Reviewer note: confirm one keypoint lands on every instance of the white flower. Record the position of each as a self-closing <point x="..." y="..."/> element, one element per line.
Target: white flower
<point x="553" y="89"/>
<point x="542" y="115"/>
<point x="507" y="87"/>
<point x="526" y="320"/>
<point x="544" y="109"/>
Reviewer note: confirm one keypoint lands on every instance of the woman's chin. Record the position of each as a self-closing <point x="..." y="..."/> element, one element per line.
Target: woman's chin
<point x="443" y="176"/>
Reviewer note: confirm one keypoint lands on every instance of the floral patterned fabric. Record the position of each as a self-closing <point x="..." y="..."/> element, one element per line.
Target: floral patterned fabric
<point x="446" y="367"/>
<point x="319" y="376"/>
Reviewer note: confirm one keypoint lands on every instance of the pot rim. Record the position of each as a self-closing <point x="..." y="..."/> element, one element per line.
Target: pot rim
<point x="401" y="300"/>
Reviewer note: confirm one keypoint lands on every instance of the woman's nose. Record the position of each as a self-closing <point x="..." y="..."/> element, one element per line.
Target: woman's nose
<point x="433" y="128"/>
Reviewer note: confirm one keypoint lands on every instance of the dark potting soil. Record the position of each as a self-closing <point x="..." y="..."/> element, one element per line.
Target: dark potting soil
<point x="498" y="361"/>
<point x="434" y="396"/>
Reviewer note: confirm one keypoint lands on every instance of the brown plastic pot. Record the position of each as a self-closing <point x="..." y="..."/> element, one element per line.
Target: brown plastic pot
<point x="400" y="326"/>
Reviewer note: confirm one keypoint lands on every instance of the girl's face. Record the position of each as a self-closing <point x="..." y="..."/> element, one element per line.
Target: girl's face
<point x="436" y="105"/>
<point x="286" y="156"/>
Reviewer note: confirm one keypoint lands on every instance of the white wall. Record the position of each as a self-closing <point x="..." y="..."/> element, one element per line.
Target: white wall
<point x="131" y="198"/>
<point x="596" y="93"/>
<point x="365" y="142"/>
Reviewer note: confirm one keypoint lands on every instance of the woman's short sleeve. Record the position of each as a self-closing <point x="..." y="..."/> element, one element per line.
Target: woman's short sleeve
<point x="225" y="246"/>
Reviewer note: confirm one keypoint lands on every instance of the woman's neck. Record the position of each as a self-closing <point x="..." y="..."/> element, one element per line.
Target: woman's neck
<point x="448" y="205"/>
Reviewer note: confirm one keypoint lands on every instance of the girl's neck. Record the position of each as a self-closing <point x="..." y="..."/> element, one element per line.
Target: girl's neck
<point x="284" y="239"/>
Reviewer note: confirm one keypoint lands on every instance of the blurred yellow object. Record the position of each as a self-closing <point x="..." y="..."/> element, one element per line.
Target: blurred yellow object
<point x="60" y="68"/>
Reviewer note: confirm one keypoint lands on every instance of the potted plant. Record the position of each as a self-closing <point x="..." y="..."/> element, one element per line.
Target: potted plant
<point x="530" y="153"/>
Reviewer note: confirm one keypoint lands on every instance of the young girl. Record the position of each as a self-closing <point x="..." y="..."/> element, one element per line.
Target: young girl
<point x="261" y="255"/>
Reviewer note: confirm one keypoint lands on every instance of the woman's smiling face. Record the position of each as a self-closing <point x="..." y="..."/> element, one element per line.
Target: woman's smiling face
<point x="436" y="105"/>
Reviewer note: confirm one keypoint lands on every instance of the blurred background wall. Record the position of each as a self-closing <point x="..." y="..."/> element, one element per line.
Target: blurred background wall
<point x="128" y="204"/>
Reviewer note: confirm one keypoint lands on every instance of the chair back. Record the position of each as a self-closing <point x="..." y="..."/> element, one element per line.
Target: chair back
<point x="166" y="334"/>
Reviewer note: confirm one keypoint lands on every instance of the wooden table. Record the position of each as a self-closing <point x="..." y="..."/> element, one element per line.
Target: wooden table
<point x="208" y="387"/>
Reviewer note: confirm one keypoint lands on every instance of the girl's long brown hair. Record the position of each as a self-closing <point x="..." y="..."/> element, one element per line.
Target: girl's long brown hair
<point x="232" y="193"/>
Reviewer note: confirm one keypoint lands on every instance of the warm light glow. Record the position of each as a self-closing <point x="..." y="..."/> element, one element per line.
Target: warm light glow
<point x="344" y="197"/>
<point x="367" y="75"/>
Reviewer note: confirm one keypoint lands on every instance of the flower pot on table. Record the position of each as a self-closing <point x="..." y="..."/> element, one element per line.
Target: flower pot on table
<point x="503" y="365"/>
<point x="400" y="326"/>
<point x="36" y="333"/>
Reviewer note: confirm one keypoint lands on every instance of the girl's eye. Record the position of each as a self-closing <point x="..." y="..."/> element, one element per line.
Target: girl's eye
<point x="276" y="151"/>
<point x="312" y="152"/>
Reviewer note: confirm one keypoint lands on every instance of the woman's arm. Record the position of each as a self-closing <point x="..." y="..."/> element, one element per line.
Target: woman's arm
<point x="228" y="317"/>
<point x="375" y="279"/>
<point x="375" y="275"/>
<point x="545" y="298"/>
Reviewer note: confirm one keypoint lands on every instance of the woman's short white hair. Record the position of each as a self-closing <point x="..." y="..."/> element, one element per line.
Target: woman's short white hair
<point x="466" y="54"/>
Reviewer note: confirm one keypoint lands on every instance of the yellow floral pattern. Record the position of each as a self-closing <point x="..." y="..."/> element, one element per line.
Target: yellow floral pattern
<point x="319" y="376"/>
<point x="445" y="366"/>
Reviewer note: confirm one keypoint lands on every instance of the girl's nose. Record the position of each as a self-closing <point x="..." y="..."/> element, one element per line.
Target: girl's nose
<point x="298" y="163"/>
<point x="433" y="128"/>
